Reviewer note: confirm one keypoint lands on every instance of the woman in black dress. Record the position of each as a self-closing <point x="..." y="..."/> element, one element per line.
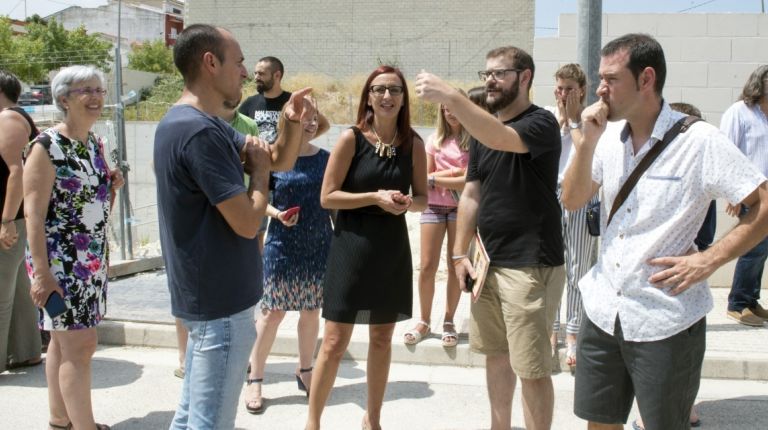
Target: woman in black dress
<point x="369" y="277"/>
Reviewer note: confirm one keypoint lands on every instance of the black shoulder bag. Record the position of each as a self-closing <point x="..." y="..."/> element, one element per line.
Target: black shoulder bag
<point x="593" y="209"/>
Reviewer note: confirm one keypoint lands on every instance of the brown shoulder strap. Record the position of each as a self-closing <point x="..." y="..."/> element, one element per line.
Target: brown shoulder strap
<point x="679" y="127"/>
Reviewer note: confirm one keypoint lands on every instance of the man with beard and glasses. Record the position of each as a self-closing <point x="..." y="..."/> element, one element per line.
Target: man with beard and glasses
<point x="646" y="299"/>
<point x="265" y="106"/>
<point x="208" y="219"/>
<point x="510" y="195"/>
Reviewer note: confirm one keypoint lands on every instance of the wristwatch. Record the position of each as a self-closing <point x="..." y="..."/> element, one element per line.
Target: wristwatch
<point x="431" y="181"/>
<point x="574" y="125"/>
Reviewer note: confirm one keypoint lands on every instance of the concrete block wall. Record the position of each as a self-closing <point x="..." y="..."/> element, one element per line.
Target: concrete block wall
<point x="347" y="37"/>
<point x="709" y="56"/>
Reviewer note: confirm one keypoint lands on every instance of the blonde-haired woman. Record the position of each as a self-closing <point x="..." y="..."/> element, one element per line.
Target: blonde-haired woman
<point x="447" y="157"/>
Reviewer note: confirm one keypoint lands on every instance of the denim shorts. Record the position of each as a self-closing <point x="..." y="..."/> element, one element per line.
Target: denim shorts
<point x="439" y="214"/>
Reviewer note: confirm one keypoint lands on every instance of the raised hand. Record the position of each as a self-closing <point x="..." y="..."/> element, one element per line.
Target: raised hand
<point x="573" y="106"/>
<point x="431" y="88"/>
<point x="594" y="119"/>
<point x="301" y="106"/>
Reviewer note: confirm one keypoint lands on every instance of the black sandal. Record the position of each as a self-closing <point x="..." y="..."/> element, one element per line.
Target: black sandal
<point x="260" y="403"/>
<point x="56" y="427"/>
<point x="300" y="383"/>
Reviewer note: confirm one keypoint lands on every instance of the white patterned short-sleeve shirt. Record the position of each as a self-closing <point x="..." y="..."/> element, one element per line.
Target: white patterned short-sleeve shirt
<point x="660" y="218"/>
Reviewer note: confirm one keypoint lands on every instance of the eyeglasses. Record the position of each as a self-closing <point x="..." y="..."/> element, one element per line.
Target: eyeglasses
<point x="379" y="90"/>
<point x="497" y="75"/>
<point x="89" y="91"/>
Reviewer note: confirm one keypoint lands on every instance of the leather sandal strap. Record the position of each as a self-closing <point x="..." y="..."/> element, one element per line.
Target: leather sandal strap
<point x="256" y="381"/>
<point x="58" y="427"/>
<point x="308" y="369"/>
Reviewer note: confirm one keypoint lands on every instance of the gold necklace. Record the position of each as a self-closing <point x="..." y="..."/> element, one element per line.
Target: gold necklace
<point x="382" y="148"/>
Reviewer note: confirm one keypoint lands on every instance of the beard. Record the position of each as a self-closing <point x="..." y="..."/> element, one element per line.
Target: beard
<point x="264" y="86"/>
<point x="506" y="97"/>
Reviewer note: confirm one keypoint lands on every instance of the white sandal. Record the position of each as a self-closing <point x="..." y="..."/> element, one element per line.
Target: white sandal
<point x="450" y="338"/>
<point x="415" y="335"/>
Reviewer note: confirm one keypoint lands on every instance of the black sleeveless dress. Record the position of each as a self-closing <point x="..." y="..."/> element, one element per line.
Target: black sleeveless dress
<point x="369" y="276"/>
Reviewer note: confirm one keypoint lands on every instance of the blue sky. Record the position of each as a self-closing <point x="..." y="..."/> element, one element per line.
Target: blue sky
<point x="547" y="11"/>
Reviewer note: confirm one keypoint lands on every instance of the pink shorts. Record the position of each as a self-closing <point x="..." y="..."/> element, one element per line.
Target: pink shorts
<point x="439" y="214"/>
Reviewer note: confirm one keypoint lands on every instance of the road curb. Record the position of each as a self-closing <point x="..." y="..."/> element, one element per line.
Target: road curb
<point x="429" y="352"/>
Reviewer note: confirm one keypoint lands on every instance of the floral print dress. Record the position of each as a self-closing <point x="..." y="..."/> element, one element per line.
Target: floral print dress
<point x="76" y="229"/>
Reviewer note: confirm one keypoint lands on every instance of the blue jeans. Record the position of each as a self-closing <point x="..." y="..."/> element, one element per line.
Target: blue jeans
<point x="216" y="359"/>
<point x="745" y="290"/>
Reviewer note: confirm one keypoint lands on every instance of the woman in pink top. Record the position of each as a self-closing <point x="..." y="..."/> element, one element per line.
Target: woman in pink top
<point x="447" y="159"/>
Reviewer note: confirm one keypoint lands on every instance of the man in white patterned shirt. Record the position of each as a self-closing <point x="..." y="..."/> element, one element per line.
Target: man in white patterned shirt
<point x="746" y="124"/>
<point x="646" y="298"/>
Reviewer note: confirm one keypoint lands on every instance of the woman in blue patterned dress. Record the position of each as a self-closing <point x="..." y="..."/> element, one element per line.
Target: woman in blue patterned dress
<point x="294" y="263"/>
<point x="67" y="193"/>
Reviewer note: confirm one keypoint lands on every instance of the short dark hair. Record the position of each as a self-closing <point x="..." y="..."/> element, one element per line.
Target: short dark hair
<point x="10" y="85"/>
<point x="686" y="108"/>
<point x="274" y="64"/>
<point x="192" y="44"/>
<point x="520" y="59"/>
<point x="644" y="51"/>
<point x="756" y="86"/>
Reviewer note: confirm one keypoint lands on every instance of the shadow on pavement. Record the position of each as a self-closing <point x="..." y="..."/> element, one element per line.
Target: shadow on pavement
<point x="106" y="373"/>
<point x="738" y="413"/>
<point x="153" y="420"/>
<point x="281" y="372"/>
<point x="356" y="393"/>
<point x="731" y="327"/>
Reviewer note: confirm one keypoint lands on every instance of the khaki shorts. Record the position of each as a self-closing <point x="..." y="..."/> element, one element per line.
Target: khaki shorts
<point x="514" y="315"/>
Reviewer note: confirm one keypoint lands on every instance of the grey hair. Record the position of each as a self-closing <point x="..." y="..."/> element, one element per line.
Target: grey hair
<point x="63" y="81"/>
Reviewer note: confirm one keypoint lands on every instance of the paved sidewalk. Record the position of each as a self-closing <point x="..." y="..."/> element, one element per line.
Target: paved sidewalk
<point x="134" y="389"/>
<point x="139" y="314"/>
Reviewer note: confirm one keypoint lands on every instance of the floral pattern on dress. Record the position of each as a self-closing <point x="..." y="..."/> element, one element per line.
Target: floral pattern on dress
<point x="76" y="229"/>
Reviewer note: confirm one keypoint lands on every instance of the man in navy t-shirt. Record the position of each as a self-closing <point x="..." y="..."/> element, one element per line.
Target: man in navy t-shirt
<point x="208" y="220"/>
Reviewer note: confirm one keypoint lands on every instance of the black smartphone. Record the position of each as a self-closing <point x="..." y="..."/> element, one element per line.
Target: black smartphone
<point x="469" y="283"/>
<point x="55" y="305"/>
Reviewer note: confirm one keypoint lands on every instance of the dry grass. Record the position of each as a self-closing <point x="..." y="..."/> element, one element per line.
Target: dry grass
<point x="337" y="98"/>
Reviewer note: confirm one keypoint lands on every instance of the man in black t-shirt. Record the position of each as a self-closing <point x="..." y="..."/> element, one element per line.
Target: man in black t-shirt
<point x="265" y="106"/>
<point x="510" y="196"/>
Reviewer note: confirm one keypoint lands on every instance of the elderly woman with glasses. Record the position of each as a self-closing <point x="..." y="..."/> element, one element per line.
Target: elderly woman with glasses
<point x="68" y="190"/>
<point x="376" y="172"/>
